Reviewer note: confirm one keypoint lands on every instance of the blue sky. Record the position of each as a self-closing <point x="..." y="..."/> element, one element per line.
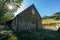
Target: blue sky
<point x="44" y="7"/>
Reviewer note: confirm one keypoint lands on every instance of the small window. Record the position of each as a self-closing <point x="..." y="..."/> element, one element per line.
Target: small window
<point x="33" y="11"/>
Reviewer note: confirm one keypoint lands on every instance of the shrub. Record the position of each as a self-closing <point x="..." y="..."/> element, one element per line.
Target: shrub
<point x="57" y="18"/>
<point x="12" y="38"/>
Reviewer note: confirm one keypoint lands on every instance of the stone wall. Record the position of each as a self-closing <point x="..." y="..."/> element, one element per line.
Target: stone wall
<point x="27" y="20"/>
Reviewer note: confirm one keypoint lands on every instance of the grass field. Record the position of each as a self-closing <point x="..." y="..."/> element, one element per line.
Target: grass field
<point x="41" y="34"/>
<point x="51" y="24"/>
<point x="49" y="21"/>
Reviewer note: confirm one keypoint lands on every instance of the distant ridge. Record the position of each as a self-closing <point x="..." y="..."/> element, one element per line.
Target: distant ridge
<point x="56" y="14"/>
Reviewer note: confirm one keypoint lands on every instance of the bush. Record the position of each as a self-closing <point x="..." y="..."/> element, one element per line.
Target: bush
<point x="12" y="38"/>
<point x="57" y="18"/>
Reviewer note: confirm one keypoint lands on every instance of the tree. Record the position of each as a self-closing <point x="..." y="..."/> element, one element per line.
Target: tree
<point x="45" y="17"/>
<point x="56" y="16"/>
<point x="7" y="8"/>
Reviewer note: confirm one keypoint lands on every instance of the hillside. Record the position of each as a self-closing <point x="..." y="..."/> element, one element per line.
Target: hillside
<point x="55" y="16"/>
<point x="52" y="22"/>
<point x="52" y="19"/>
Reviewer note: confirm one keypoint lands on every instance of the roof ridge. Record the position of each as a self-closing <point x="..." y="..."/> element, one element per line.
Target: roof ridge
<point x="26" y="9"/>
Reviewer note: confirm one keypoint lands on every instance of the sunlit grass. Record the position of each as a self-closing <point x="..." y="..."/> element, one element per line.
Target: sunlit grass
<point x="51" y="24"/>
<point x="49" y="21"/>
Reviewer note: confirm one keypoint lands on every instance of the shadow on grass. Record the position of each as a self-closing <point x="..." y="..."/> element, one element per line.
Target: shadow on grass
<point x="41" y="34"/>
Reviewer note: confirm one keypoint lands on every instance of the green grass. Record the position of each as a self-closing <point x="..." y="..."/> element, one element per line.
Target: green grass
<point x="41" y="34"/>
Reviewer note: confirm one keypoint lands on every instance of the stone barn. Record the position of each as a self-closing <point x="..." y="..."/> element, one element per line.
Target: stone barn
<point x="29" y="19"/>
